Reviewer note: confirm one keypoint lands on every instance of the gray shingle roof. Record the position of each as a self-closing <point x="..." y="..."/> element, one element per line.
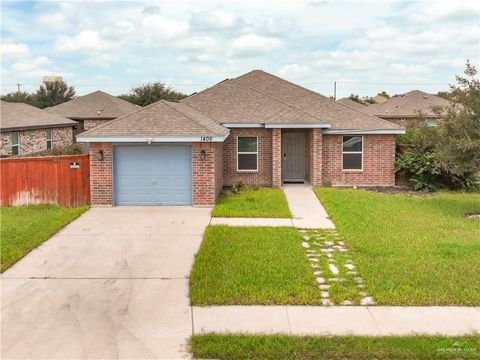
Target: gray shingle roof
<point x="163" y="118"/>
<point x="20" y="116"/>
<point x="408" y="105"/>
<point x="96" y="105"/>
<point x="259" y="97"/>
<point x="353" y="104"/>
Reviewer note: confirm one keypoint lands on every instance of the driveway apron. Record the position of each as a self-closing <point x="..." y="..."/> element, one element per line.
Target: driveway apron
<point x="112" y="284"/>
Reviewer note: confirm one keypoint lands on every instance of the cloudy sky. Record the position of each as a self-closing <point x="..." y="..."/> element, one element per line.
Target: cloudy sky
<point x="366" y="46"/>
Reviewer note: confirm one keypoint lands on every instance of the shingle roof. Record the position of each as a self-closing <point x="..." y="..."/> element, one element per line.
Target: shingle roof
<point x="408" y="105"/>
<point x="96" y="105"/>
<point x="259" y="97"/>
<point x="353" y="104"/>
<point x="163" y="118"/>
<point x="20" y="116"/>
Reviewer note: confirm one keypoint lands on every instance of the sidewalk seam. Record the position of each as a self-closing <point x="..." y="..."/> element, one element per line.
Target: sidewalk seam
<point x="288" y="321"/>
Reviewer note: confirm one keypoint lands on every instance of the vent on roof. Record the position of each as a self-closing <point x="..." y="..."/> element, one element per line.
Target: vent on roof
<point x="425" y="97"/>
<point x="99" y="111"/>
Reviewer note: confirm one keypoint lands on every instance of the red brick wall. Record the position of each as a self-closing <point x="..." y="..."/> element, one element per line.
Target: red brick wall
<point x="315" y="157"/>
<point x="378" y="162"/>
<point x="262" y="177"/>
<point x="207" y="173"/>
<point x="101" y="174"/>
<point x="276" y="157"/>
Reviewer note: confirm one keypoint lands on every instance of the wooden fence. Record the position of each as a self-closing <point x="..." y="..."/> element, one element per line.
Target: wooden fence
<point x="59" y="180"/>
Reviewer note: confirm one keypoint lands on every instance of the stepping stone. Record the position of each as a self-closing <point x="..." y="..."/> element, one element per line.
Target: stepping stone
<point x="326" y="250"/>
<point x="329" y="255"/>
<point x="361" y="286"/>
<point x="333" y="269"/>
<point x="306" y="237"/>
<point x="320" y="280"/>
<point x="324" y="287"/>
<point x="343" y="244"/>
<point x="316" y="243"/>
<point x="313" y="259"/>
<point x="348" y="260"/>
<point x="367" y="301"/>
<point x="349" y="266"/>
<point x="342" y="250"/>
<point x="329" y="243"/>
<point x="315" y="266"/>
<point x="317" y="272"/>
<point x="346" y="302"/>
<point x="351" y="272"/>
<point x="337" y="279"/>
<point x="310" y="251"/>
<point x="359" y="280"/>
<point x="363" y="293"/>
<point x="327" y="302"/>
<point x="324" y="294"/>
<point x="312" y="255"/>
<point x="305" y="245"/>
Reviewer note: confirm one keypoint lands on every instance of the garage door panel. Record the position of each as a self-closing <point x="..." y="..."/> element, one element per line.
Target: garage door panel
<point x="153" y="175"/>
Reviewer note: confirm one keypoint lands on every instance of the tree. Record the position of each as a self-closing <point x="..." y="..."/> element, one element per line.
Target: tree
<point x="356" y="98"/>
<point x="445" y="94"/>
<point x="384" y="94"/>
<point x="152" y="92"/>
<point x="53" y="93"/>
<point x="19" y="97"/>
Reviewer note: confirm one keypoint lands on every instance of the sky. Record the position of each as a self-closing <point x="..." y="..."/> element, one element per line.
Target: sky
<point x="365" y="46"/>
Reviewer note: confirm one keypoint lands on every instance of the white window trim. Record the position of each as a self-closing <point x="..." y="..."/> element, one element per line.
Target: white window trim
<point x="248" y="152"/>
<point x="435" y="122"/>
<point x="49" y="139"/>
<point x="17" y="144"/>
<point x="352" y="152"/>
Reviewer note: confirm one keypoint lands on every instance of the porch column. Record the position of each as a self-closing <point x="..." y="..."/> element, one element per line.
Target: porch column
<point x="315" y="157"/>
<point x="276" y="157"/>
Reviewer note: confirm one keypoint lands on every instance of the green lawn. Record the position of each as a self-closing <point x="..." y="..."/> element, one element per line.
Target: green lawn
<point x="26" y="227"/>
<point x="253" y="202"/>
<point x="411" y="250"/>
<point x="276" y="347"/>
<point x="252" y="265"/>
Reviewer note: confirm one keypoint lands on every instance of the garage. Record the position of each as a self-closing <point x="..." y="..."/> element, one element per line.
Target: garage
<point x="152" y="174"/>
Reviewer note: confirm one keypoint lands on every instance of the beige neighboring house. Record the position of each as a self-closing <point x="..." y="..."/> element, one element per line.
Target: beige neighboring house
<point x="378" y="99"/>
<point x="94" y="109"/>
<point x="27" y="130"/>
<point x="406" y="109"/>
<point x="353" y="104"/>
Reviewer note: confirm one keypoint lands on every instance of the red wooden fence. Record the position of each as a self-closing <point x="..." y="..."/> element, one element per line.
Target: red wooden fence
<point x="60" y="180"/>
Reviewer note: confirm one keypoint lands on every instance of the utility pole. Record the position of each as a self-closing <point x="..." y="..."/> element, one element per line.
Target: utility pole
<point x="334" y="90"/>
<point x="18" y="87"/>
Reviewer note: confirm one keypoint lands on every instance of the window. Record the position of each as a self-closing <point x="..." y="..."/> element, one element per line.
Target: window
<point x="352" y="152"/>
<point x="48" y="134"/>
<point x="15" y="143"/>
<point x="431" y="122"/>
<point x="247" y="153"/>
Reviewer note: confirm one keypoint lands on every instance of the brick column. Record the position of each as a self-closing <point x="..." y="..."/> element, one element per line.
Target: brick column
<point x="204" y="189"/>
<point x="315" y="157"/>
<point x="101" y="174"/>
<point x="276" y="157"/>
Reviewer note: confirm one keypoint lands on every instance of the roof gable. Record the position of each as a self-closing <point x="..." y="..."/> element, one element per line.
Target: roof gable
<point x="96" y="105"/>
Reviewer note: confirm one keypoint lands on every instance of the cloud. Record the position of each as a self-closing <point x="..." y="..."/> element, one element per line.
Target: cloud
<point x="294" y="70"/>
<point x="151" y="9"/>
<point x="14" y="50"/>
<point x="275" y="26"/>
<point x="196" y="43"/>
<point x="157" y="30"/>
<point x="251" y="45"/>
<point x="214" y="20"/>
<point x="85" y="41"/>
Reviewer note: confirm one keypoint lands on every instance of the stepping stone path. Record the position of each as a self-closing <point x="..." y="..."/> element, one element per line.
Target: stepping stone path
<point x="331" y="264"/>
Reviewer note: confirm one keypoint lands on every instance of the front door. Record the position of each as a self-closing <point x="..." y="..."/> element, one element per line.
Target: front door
<point x="293" y="156"/>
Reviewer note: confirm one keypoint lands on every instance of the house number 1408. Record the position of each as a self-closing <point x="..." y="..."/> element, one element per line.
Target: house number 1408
<point x="206" y="139"/>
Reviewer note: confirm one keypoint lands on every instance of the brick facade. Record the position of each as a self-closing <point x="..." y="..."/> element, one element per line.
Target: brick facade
<point x="91" y="123"/>
<point x="276" y="157"/>
<point x="35" y="140"/>
<point x="315" y="157"/>
<point x="101" y="178"/>
<point x="261" y="177"/>
<point x="207" y="172"/>
<point x="378" y="162"/>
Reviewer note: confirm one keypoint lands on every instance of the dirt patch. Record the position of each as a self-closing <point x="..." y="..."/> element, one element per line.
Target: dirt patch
<point x="395" y="190"/>
<point x="474" y="216"/>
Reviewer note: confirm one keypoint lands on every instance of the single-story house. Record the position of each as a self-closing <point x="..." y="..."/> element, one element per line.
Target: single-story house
<point x="256" y="128"/>
<point x="93" y="109"/>
<point x="406" y="109"/>
<point x="27" y="130"/>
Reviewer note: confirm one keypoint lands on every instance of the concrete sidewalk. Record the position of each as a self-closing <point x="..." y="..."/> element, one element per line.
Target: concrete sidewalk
<point x="307" y="212"/>
<point x="337" y="320"/>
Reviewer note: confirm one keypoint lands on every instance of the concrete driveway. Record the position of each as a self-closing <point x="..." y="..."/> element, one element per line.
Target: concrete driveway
<point x="112" y="284"/>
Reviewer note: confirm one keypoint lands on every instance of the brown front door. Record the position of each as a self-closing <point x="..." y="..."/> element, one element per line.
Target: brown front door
<point x="293" y="156"/>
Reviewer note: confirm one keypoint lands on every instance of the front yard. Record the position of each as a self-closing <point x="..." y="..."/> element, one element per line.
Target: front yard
<point x="411" y="250"/>
<point x="253" y="202"/>
<point x="277" y="347"/>
<point x="26" y="227"/>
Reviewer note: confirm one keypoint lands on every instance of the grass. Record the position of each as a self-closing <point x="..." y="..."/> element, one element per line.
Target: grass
<point x="277" y="347"/>
<point x="253" y="202"/>
<point x="252" y="265"/>
<point x="411" y="250"/>
<point x="26" y="227"/>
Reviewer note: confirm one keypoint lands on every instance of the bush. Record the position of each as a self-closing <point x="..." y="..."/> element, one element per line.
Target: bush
<point x="238" y="187"/>
<point x="422" y="167"/>
<point x="69" y="149"/>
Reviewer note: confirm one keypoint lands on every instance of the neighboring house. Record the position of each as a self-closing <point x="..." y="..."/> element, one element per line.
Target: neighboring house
<point x="406" y="109"/>
<point x="256" y="128"/>
<point x="27" y="130"/>
<point x="378" y="99"/>
<point x="94" y="109"/>
<point x="353" y="104"/>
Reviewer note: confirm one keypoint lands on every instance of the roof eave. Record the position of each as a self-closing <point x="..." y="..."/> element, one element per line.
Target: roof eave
<point x="36" y="127"/>
<point x="277" y="126"/>
<point x="152" y="139"/>
<point x="398" y="131"/>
